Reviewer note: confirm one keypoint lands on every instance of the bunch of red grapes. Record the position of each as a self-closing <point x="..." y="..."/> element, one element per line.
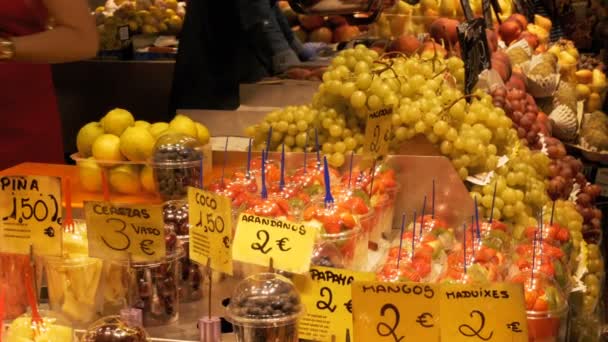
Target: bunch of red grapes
<point x="521" y="108"/>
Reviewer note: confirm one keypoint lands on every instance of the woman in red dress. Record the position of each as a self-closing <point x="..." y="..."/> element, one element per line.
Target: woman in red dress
<point x="30" y="126"/>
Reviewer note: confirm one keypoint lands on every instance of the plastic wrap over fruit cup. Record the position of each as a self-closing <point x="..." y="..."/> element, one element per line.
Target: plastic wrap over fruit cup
<point x="338" y="226"/>
<point x="546" y="307"/>
<point x="154" y="289"/>
<point x="74" y="280"/>
<point x="113" y="328"/>
<point x="177" y="162"/>
<point x="12" y="269"/>
<point x="54" y="327"/>
<point x="265" y="307"/>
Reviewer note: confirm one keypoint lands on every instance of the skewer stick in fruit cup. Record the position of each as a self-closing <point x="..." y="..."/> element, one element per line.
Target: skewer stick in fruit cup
<point x="401" y="241"/>
<point x="282" y="179"/>
<point x="248" y="173"/>
<point x="433" y="201"/>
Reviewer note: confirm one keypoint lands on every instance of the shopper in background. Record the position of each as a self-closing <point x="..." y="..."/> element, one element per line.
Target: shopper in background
<point x="30" y="127"/>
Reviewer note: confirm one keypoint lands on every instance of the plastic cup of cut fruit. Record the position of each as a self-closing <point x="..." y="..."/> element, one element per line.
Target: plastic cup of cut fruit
<point x="55" y="327"/>
<point x="12" y="269"/>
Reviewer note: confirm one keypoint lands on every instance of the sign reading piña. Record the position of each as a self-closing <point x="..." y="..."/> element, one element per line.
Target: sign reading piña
<point x="30" y="213"/>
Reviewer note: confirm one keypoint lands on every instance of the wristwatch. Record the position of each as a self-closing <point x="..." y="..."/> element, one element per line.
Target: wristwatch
<point x="7" y="49"/>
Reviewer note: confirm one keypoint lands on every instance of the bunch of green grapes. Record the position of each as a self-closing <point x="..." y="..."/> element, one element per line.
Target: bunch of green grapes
<point x="593" y="279"/>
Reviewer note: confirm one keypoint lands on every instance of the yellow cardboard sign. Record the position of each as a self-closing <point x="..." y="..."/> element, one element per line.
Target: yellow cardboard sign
<point x="116" y="231"/>
<point x="210" y="229"/>
<point x="396" y="311"/>
<point x="30" y="215"/>
<point x="378" y="131"/>
<point x="326" y="293"/>
<point x="494" y="312"/>
<point x="289" y="244"/>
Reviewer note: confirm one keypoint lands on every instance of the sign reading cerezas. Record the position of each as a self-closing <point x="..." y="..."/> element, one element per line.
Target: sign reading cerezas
<point x="30" y="212"/>
<point x="378" y="130"/>
<point x="123" y="231"/>
<point x="493" y="312"/>
<point x="289" y="244"/>
<point x="395" y="311"/>
<point x="326" y="293"/>
<point x="210" y="229"/>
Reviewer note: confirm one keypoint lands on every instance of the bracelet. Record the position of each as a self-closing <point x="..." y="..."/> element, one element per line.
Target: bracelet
<point x="7" y="49"/>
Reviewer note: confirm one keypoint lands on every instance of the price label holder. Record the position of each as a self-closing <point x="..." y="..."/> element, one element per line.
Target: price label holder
<point x="210" y="229"/>
<point x="326" y="293"/>
<point x="289" y="244"/>
<point x="495" y="312"/>
<point x="395" y="311"/>
<point x="116" y="231"/>
<point x="30" y="208"/>
<point x="378" y="130"/>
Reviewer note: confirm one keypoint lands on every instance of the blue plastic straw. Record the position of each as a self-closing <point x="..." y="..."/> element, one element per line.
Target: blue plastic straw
<point x="477" y="220"/>
<point x="350" y="169"/>
<point x="248" y="174"/>
<point x="225" y="159"/>
<point x="493" y="201"/>
<point x="401" y="240"/>
<point x="264" y="193"/>
<point x="464" y="245"/>
<point x="305" y="152"/>
<point x="329" y="199"/>
<point x="318" y="149"/>
<point x="433" y="201"/>
<point x="282" y="180"/>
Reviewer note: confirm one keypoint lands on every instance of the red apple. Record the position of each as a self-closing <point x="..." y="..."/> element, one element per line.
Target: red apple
<point x="531" y="38"/>
<point x="322" y="34"/>
<point x="345" y="33"/>
<point x="311" y="22"/>
<point x="509" y="31"/>
<point x="444" y="29"/>
<point x="521" y="19"/>
<point x="406" y="43"/>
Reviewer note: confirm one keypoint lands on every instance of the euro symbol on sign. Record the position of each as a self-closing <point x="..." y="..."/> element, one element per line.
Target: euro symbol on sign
<point x="145" y="247"/>
<point x="281" y="243"/>
<point x="226" y="242"/>
<point x="50" y="232"/>
<point x="423" y="320"/>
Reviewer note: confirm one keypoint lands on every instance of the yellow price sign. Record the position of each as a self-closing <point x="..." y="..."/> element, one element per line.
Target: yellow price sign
<point x="326" y="293"/>
<point x="395" y="311"/>
<point x="31" y="215"/>
<point x="210" y="229"/>
<point x="494" y="312"/>
<point x="123" y="231"/>
<point x="378" y="131"/>
<point x="289" y="244"/>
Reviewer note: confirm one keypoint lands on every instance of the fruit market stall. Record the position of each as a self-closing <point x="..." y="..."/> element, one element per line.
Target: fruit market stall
<point x="408" y="183"/>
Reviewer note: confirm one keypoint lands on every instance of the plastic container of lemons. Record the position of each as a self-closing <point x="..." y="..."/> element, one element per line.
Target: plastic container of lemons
<point x="126" y="177"/>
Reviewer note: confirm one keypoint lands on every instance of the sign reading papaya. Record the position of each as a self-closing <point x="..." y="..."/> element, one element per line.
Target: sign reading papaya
<point x="326" y="293"/>
<point x="395" y="311"/>
<point x="494" y="312"/>
<point x="378" y="131"/>
<point x="210" y="229"/>
<point x="289" y="244"/>
<point x="123" y="231"/>
<point x="30" y="212"/>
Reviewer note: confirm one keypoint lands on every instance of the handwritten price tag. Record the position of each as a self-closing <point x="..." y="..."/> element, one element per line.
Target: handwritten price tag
<point x="117" y="230"/>
<point x="289" y="244"/>
<point x="30" y="208"/>
<point x="326" y="293"/>
<point x="495" y="312"/>
<point x="210" y="229"/>
<point x="395" y="311"/>
<point x="378" y="131"/>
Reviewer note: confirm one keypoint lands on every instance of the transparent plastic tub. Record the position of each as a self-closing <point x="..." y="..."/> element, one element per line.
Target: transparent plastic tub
<point x="265" y="307"/>
<point x="113" y="328"/>
<point x="154" y="289"/>
<point x="12" y="269"/>
<point x="55" y="328"/>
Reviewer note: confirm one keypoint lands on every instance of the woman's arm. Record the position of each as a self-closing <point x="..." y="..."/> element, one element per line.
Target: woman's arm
<point x="74" y="36"/>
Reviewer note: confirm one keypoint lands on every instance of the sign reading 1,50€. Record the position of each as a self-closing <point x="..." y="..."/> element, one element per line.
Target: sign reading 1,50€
<point x="30" y="215"/>
<point x="125" y="231"/>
